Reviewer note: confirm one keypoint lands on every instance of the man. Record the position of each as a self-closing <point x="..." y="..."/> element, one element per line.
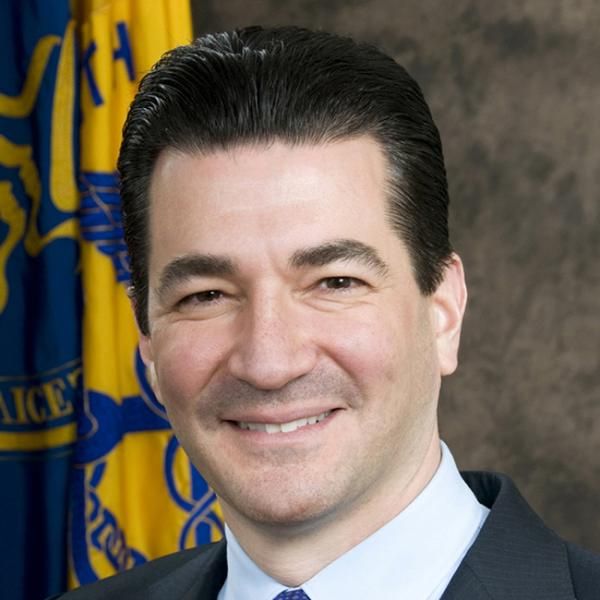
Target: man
<point x="298" y="300"/>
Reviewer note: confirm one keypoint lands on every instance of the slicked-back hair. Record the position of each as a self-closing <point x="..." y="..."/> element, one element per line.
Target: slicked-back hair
<point x="257" y="85"/>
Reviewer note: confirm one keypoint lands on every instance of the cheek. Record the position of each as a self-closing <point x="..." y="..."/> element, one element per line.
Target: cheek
<point x="186" y="357"/>
<point x="386" y="349"/>
<point x="367" y="348"/>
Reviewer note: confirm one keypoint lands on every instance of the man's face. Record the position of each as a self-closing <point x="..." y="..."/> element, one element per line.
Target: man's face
<point x="298" y="362"/>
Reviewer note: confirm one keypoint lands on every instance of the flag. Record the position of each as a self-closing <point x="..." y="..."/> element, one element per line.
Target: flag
<point x="40" y="300"/>
<point x="134" y="494"/>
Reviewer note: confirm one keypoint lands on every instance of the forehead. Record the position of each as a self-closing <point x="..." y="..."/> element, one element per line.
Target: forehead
<point x="279" y="193"/>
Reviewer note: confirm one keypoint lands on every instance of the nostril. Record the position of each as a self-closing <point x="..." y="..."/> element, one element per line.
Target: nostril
<point x="271" y="362"/>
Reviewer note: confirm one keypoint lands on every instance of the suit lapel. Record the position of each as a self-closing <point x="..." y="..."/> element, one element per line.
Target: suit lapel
<point x="515" y="555"/>
<point x="466" y="584"/>
<point x="198" y="579"/>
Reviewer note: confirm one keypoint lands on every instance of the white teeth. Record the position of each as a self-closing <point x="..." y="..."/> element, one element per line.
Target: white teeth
<point x="283" y="427"/>
<point x="255" y="426"/>
<point x="272" y="428"/>
<point x="287" y="427"/>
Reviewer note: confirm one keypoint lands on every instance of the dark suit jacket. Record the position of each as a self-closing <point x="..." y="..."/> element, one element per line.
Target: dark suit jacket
<point x="515" y="557"/>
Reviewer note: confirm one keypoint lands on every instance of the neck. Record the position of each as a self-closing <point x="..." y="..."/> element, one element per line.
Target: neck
<point x="293" y="555"/>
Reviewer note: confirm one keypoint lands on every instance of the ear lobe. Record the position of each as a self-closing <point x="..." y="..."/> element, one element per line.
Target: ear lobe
<point x="145" y="345"/>
<point x="449" y="302"/>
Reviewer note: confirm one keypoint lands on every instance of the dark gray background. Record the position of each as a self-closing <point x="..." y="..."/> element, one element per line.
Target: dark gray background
<point x="514" y="87"/>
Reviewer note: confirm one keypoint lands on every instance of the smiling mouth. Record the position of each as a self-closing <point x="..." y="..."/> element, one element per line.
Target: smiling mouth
<point x="283" y="427"/>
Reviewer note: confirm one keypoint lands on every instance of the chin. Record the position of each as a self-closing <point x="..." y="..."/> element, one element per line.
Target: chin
<point x="280" y="510"/>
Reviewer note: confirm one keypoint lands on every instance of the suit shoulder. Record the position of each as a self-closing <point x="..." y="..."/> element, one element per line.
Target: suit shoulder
<point x="132" y="583"/>
<point x="585" y="571"/>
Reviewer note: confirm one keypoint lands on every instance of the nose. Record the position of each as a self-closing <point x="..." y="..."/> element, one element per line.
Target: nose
<point x="273" y="346"/>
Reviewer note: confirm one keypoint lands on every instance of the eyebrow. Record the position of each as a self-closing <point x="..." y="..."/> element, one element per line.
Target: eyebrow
<point x="194" y="265"/>
<point x="209" y="265"/>
<point x="339" y="250"/>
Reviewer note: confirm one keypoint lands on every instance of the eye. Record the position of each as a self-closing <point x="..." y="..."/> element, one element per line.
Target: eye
<point x="340" y="283"/>
<point x="207" y="297"/>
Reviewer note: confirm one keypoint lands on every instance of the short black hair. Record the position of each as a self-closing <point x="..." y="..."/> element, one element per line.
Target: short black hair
<point x="258" y="85"/>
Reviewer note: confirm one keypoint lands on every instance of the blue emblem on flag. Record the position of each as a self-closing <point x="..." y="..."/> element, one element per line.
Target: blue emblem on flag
<point x="100" y="219"/>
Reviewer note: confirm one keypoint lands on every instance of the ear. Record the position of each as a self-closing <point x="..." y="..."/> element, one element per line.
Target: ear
<point x="449" y="302"/>
<point x="145" y="345"/>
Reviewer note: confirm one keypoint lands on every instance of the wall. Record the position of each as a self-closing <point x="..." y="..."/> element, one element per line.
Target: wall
<point x="514" y="87"/>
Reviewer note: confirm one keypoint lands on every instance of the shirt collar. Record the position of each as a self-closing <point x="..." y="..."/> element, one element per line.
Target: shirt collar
<point x="412" y="556"/>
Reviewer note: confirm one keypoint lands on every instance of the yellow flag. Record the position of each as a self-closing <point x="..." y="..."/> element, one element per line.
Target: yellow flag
<point x="135" y="495"/>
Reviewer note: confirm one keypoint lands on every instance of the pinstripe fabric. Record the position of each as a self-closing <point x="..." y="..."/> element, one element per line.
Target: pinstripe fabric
<point x="515" y="556"/>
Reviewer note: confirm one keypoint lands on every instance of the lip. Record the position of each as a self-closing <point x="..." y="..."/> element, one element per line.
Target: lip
<point x="278" y="416"/>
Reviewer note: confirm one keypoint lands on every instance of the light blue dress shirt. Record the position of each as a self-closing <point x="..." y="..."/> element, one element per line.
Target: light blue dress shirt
<point x="412" y="557"/>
